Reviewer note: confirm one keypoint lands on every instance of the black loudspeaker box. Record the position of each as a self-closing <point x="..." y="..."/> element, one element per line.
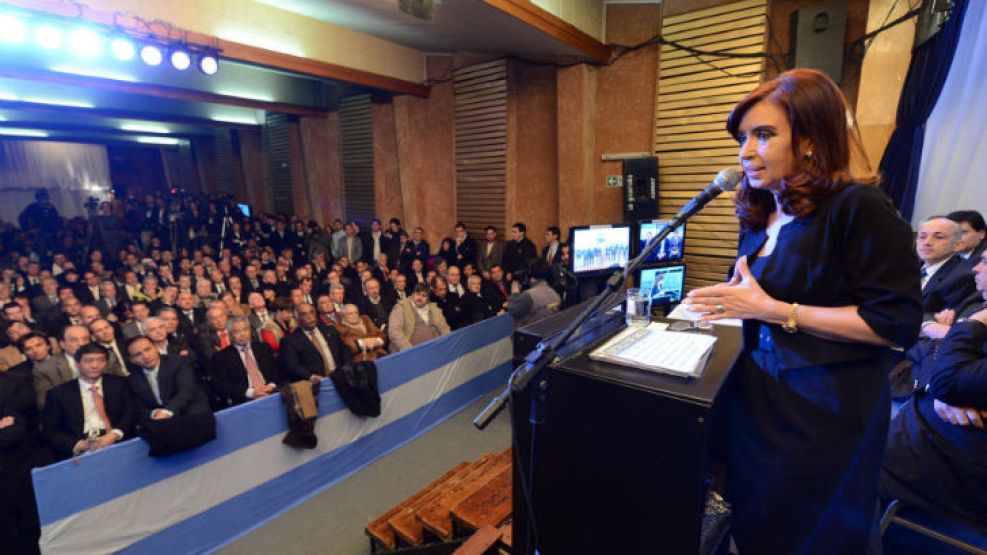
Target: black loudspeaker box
<point x="640" y="189"/>
<point x="816" y="37"/>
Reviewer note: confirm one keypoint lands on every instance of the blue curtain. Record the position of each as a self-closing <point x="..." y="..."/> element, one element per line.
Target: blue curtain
<point x="926" y="75"/>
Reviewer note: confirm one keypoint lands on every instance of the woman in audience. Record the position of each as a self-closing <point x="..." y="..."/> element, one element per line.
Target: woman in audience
<point x="826" y="282"/>
<point x="283" y="323"/>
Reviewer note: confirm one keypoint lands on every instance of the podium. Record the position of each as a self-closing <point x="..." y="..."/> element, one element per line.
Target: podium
<point x="621" y="456"/>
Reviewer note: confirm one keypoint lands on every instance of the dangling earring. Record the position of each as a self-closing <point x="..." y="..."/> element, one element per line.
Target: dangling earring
<point x="808" y="154"/>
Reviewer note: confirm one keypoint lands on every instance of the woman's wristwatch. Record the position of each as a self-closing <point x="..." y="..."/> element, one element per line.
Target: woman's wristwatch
<point x="792" y="324"/>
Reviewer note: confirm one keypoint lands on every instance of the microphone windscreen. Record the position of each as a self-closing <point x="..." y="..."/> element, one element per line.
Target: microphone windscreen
<point x="728" y="179"/>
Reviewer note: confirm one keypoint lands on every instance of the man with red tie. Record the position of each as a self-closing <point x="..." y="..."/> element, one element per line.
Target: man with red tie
<point x="91" y="412"/>
<point x="246" y="369"/>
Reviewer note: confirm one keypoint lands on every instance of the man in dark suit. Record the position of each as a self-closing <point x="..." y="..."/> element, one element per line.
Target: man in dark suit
<point x="189" y="317"/>
<point x="518" y="251"/>
<point x="464" y="245"/>
<point x="163" y="384"/>
<point x="375" y="305"/>
<point x="246" y="369"/>
<point x="552" y="251"/>
<point x="46" y="301"/>
<point x="937" y="444"/>
<point x="90" y="412"/>
<point x="313" y="350"/>
<point x="973" y="236"/>
<point x="213" y="337"/>
<point x="946" y="281"/>
<point x="111" y="301"/>
<point x="18" y="425"/>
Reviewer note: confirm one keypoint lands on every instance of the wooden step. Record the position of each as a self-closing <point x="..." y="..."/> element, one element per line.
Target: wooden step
<point x="481" y="541"/>
<point x="382" y="533"/>
<point x="435" y="516"/>
<point x="490" y="504"/>
<point x="404" y="524"/>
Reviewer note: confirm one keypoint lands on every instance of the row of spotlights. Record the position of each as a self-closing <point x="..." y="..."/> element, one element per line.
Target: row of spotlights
<point x="87" y="43"/>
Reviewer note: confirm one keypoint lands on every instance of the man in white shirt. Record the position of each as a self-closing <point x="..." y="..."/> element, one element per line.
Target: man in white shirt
<point x="91" y="412"/>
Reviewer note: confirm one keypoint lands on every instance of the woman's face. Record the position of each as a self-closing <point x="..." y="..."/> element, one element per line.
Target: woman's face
<point x="765" y="138"/>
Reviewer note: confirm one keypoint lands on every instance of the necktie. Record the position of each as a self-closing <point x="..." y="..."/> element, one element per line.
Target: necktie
<point x="224" y="342"/>
<point x="100" y="408"/>
<point x="316" y="337"/>
<point x="925" y="277"/>
<point x="254" y="376"/>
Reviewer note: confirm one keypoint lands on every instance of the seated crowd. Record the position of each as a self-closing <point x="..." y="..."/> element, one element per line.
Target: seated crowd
<point x="173" y="308"/>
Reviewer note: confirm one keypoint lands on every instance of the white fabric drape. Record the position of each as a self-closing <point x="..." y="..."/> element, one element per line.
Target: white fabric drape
<point x="71" y="172"/>
<point x="953" y="174"/>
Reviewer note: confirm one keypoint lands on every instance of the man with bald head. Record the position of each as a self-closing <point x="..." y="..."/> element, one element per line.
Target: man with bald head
<point x="946" y="281"/>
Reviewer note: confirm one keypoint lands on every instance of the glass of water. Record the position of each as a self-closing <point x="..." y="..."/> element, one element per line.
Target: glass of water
<point x="638" y="310"/>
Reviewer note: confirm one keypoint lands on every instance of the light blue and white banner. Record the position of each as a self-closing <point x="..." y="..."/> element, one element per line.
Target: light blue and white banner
<point x="119" y="499"/>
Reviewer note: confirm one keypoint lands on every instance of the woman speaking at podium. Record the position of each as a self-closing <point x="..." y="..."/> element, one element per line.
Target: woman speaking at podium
<point x="826" y="282"/>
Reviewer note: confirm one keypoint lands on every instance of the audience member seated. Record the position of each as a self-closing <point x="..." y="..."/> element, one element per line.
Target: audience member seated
<point x="945" y="279"/>
<point x="10" y="355"/>
<point x="283" y="323"/>
<point x="57" y="369"/>
<point x="164" y="385"/>
<point x="973" y="236"/>
<point x="18" y="425"/>
<point x="446" y="302"/>
<point x="937" y="445"/>
<point x="538" y="301"/>
<point x="140" y="311"/>
<point x="246" y="369"/>
<point x="400" y="288"/>
<point x="415" y="320"/>
<point x="313" y="350"/>
<point x="497" y="287"/>
<point x="360" y="335"/>
<point x="105" y="335"/>
<point x="476" y="306"/>
<point x="376" y="306"/>
<point x="259" y="314"/>
<point x="90" y="412"/>
<point x="213" y="336"/>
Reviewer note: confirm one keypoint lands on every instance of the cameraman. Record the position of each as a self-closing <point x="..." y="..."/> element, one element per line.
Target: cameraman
<point x="43" y="219"/>
<point x="539" y="300"/>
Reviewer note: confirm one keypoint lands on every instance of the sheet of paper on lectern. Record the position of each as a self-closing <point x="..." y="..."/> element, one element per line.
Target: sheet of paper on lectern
<point x="657" y="349"/>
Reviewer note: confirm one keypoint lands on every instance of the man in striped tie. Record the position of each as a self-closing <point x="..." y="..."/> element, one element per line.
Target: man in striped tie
<point x="90" y="412"/>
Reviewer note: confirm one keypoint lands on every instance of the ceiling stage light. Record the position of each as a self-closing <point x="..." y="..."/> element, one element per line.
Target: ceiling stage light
<point x="180" y="60"/>
<point x="209" y="64"/>
<point x="48" y="36"/>
<point x="151" y="55"/>
<point x="12" y="29"/>
<point x="85" y="43"/>
<point x="122" y="49"/>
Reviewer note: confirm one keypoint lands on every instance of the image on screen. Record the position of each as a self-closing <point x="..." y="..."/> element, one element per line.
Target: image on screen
<point x="245" y="208"/>
<point x="665" y="283"/>
<point x="595" y="249"/>
<point x="670" y="250"/>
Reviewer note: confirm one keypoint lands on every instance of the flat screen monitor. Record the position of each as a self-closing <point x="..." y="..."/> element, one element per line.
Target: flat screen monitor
<point x="598" y="248"/>
<point x="670" y="250"/>
<point x="666" y="283"/>
<point x="245" y="208"/>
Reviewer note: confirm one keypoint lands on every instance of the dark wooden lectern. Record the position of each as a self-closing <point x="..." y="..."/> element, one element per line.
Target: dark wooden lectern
<point x="621" y="458"/>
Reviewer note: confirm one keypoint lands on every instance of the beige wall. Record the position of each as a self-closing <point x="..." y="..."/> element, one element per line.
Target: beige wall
<point x="882" y="76"/>
<point x="585" y="15"/>
<point x="263" y="26"/>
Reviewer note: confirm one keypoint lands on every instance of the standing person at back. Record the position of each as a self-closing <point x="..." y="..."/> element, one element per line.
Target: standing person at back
<point x="518" y="251"/>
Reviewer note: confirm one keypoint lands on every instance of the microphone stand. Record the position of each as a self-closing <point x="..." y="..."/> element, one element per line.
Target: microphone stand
<point x="543" y="355"/>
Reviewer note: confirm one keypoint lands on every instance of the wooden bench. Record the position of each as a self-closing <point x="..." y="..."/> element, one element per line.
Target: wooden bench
<point x="379" y="530"/>
<point x="466" y="498"/>
<point x="435" y="516"/>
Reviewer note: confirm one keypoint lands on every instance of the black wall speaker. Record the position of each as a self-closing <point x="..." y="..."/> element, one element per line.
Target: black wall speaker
<point x="640" y="189"/>
<point x="816" y="37"/>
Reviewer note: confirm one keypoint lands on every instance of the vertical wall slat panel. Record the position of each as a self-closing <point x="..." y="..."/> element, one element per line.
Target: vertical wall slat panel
<point x="481" y="145"/>
<point x="357" y="150"/>
<point x="695" y="95"/>
<point x="278" y="145"/>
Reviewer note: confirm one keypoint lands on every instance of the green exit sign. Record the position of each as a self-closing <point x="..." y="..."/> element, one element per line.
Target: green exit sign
<point x="615" y="180"/>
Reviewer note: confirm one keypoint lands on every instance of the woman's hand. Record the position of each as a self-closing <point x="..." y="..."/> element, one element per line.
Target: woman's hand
<point x="742" y="297"/>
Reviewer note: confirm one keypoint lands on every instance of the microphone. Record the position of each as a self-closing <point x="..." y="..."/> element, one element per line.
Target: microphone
<point x="726" y="180"/>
